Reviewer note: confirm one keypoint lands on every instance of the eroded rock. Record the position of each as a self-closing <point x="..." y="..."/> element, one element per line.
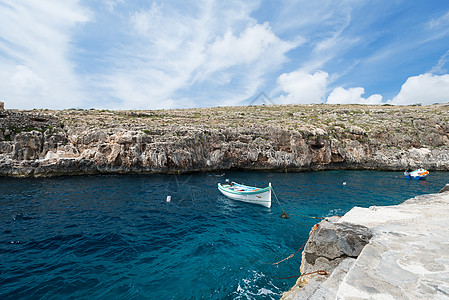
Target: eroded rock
<point x="329" y="243"/>
<point x="277" y="138"/>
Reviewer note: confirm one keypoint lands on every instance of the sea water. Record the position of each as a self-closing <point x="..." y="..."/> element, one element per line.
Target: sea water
<point x="117" y="237"/>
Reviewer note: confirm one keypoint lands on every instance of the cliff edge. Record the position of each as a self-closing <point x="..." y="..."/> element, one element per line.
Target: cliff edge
<point x="275" y="138"/>
<point x="391" y="252"/>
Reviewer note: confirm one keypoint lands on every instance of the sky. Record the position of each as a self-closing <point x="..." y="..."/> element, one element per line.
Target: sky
<point x="123" y="54"/>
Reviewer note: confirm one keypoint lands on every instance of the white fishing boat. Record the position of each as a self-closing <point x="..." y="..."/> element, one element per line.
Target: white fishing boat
<point x="249" y="194"/>
<point x="417" y="174"/>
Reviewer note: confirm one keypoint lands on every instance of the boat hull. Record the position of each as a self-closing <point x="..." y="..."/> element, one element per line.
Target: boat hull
<point x="420" y="174"/>
<point x="254" y="197"/>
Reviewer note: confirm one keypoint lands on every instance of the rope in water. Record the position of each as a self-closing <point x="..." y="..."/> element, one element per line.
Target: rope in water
<point x="287" y="216"/>
<point x="287" y="258"/>
<point x="319" y="272"/>
<point x="293" y="254"/>
<point x="284" y="214"/>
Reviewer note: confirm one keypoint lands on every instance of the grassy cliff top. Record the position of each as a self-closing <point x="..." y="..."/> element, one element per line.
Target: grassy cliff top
<point x="290" y="117"/>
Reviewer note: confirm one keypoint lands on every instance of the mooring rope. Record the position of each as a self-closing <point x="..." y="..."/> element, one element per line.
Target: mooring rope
<point x="287" y="216"/>
<point x="275" y="196"/>
<point x="318" y="218"/>
<point x="293" y="254"/>
<point x="287" y="258"/>
<point x="319" y="272"/>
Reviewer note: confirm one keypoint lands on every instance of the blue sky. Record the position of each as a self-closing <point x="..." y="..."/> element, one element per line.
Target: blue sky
<point x="119" y="54"/>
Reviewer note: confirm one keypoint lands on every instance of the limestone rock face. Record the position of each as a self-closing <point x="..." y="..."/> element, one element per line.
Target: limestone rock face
<point x="277" y="138"/>
<point x="330" y="243"/>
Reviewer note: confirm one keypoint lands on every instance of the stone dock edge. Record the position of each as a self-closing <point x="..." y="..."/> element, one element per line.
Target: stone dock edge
<point x="380" y="252"/>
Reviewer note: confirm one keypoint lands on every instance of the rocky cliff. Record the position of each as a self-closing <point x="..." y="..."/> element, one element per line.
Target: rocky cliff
<point x="278" y="138"/>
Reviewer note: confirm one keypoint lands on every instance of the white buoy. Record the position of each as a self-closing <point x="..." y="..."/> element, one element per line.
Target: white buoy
<point x="344" y="183"/>
<point x="168" y="199"/>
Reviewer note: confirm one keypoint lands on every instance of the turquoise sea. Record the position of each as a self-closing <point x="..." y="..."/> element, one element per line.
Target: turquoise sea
<point x="116" y="237"/>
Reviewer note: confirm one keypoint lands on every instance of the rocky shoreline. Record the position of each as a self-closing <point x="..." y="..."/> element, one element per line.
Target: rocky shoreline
<point x="391" y="252"/>
<point x="286" y="138"/>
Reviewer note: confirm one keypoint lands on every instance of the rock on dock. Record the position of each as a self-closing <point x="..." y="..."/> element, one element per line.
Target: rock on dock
<point x="407" y="256"/>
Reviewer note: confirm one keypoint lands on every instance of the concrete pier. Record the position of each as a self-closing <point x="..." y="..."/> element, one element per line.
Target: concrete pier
<point x="407" y="256"/>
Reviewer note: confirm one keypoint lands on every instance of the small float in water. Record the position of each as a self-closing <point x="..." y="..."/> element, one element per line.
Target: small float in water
<point x="248" y="194"/>
<point x="417" y="174"/>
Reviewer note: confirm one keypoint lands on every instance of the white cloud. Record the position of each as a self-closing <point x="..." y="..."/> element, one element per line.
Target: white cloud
<point x="174" y="53"/>
<point x="170" y="54"/>
<point x="442" y="21"/>
<point x="252" y="44"/>
<point x="323" y="25"/>
<point x="243" y="60"/>
<point x="337" y="41"/>
<point x="439" y="67"/>
<point x="35" y="46"/>
<point x="165" y="46"/>
<point x="352" y="96"/>
<point x="425" y="89"/>
<point x="23" y="80"/>
<point x="302" y="87"/>
<point x="311" y="17"/>
<point x="111" y="4"/>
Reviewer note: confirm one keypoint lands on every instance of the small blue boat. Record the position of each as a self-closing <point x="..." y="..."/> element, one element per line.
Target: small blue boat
<point x="419" y="174"/>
